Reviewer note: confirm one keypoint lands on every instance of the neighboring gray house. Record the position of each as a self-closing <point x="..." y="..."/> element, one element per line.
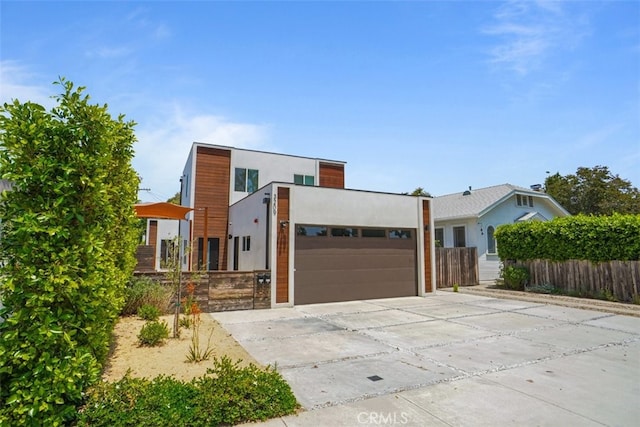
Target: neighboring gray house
<point x="470" y="218"/>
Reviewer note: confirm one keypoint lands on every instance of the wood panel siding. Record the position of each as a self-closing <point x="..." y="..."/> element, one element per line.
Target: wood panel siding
<point x="282" y="266"/>
<point x="331" y="175"/>
<point x="212" y="175"/>
<point x="153" y="239"/>
<point x="426" y="220"/>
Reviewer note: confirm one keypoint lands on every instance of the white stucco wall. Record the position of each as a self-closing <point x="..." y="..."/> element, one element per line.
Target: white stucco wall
<point x="249" y="218"/>
<point x="331" y="206"/>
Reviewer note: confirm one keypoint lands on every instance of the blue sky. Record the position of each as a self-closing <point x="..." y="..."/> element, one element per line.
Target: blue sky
<point x="435" y="94"/>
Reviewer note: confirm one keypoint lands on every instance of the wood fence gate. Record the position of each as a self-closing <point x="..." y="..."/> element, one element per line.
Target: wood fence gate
<point x="456" y="265"/>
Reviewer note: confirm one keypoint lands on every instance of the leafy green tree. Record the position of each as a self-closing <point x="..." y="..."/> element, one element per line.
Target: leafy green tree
<point x="175" y="199"/>
<point x="67" y="249"/>
<point x="593" y="191"/>
<point x="419" y="192"/>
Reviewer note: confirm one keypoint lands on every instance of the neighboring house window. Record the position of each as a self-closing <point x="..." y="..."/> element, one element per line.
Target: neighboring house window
<point x="303" y="179"/>
<point x="522" y="200"/>
<point x="439" y="236"/>
<point x="246" y="243"/>
<point x="491" y="241"/>
<point x="459" y="237"/>
<point x="246" y="180"/>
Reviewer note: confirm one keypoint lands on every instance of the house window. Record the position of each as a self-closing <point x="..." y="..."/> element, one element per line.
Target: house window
<point x="246" y="180"/>
<point x="439" y="236"/>
<point x="246" y="243"/>
<point x="459" y="240"/>
<point x="491" y="241"/>
<point x="522" y="200"/>
<point x="303" y="179"/>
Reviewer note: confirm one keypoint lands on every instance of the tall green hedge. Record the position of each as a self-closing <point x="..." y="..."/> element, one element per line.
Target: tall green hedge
<point x="592" y="238"/>
<point x="67" y="248"/>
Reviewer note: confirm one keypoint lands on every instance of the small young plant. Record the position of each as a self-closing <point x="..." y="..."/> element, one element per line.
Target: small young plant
<point x="196" y="353"/>
<point x="153" y="333"/>
<point x="149" y="312"/>
<point x="455" y="287"/>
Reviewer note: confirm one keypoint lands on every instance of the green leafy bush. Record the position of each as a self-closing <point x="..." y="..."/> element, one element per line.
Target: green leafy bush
<point x="592" y="238"/>
<point x="153" y="333"/>
<point x="515" y="277"/>
<point x="67" y="249"/>
<point x="145" y="291"/>
<point x="224" y="394"/>
<point x="148" y="312"/>
<point x="227" y="395"/>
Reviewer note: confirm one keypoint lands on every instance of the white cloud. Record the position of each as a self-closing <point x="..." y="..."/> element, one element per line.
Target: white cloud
<point x="17" y="80"/>
<point x="163" y="145"/>
<point x="529" y="32"/>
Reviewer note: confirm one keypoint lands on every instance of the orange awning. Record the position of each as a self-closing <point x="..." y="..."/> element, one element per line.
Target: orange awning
<point x="163" y="210"/>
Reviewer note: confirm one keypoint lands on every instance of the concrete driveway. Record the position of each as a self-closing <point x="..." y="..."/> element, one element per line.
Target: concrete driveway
<point x="448" y="359"/>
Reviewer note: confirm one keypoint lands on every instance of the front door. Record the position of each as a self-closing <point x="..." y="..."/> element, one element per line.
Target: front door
<point x="213" y="253"/>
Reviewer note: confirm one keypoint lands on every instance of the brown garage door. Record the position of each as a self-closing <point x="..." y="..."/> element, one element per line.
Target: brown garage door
<point x="332" y="264"/>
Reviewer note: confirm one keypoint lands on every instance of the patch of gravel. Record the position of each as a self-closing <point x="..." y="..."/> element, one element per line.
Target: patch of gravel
<point x="562" y="300"/>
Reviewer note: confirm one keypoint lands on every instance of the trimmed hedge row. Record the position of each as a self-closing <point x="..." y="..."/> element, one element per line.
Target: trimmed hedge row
<point x="67" y="249"/>
<point x="591" y="238"/>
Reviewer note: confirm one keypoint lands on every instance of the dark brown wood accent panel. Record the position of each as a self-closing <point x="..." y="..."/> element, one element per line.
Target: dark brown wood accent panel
<point x="213" y="171"/>
<point x="426" y="217"/>
<point x="331" y="175"/>
<point x="330" y="269"/>
<point x="153" y="239"/>
<point x="282" y="263"/>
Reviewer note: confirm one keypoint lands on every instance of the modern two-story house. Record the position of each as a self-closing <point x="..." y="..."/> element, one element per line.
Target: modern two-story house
<point x="292" y="217"/>
<point x="470" y="218"/>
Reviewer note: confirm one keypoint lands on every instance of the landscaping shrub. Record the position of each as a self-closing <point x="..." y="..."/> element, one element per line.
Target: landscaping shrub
<point x="227" y="395"/>
<point x="148" y="312"/>
<point x="67" y="248"/>
<point x="163" y="401"/>
<point x="145" y="291"/>
<point x="153" y="333"/>
<point x="515" y="277"/>
<point x="236" y="395"/>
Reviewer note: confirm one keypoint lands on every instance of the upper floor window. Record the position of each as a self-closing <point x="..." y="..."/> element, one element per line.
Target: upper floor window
<point x="246" y="180"/>
<point x="303" y="179"/>
<point x="522" y="200"/>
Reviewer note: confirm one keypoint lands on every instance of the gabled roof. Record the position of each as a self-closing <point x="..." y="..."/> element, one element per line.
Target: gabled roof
<point x="481" y="201"/>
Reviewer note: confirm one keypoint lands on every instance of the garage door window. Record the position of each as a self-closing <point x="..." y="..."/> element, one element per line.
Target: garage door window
<point x="400" y="234"/>
<point x="311" y="230"/>
<point x="344" y="232"/>
<point x="374" y="232"/>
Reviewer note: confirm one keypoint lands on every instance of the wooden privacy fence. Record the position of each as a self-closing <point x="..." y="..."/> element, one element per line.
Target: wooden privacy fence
<point x="617" y="278"/>
<point x="456" y="265"/>
<point x="224" y="290"/>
